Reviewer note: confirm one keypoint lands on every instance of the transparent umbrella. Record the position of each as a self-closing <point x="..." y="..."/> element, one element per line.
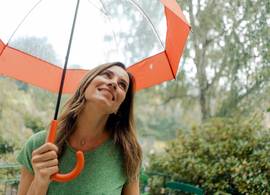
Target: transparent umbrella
<point x="51" y="44"/>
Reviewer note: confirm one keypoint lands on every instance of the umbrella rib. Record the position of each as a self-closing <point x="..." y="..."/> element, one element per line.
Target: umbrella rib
<point x="96" y="7"/>
<point x="148" y="19"/>
<point x="22" y="21"/>
<point x="155" y="32"/>
<point x="170" y="65"/>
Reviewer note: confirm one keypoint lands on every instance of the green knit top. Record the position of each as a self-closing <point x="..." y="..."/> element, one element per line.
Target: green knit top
<point x="103" y="172"/>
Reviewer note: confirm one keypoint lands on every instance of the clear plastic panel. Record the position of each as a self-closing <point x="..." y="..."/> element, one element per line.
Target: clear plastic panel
<point x="106" y="30"/>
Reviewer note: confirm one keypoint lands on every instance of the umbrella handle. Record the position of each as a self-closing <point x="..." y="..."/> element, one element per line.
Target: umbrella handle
<point x="79" y="156"/>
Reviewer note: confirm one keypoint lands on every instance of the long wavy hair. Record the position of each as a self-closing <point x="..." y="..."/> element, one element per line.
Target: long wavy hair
<point x="121" y="125"/>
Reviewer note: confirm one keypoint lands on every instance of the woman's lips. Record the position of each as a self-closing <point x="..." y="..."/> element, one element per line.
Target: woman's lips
<point x="109" y="91"/>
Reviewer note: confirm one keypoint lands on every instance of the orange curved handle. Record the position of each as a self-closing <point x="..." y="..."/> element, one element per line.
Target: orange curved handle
<point x="79" y="156"/>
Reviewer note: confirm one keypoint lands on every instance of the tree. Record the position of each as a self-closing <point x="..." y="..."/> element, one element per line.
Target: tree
<point x="36" y="46"/>
<point x="224" y="69"/>
<point x="229" y="46"/>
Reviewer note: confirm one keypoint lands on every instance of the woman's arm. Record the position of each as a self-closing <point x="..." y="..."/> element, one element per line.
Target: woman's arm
<point x="25" y="181"/>
<point x="131" y="188"/>
<point x="28" y="185"/>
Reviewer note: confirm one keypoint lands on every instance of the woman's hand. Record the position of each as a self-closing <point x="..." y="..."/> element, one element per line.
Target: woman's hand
<point x="45" y="163"/>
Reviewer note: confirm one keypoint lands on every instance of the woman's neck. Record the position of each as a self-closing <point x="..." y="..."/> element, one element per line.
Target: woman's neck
<point x="90" y="130"/>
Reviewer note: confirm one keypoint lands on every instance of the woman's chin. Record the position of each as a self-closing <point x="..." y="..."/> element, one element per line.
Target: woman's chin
<point x="101" y="102"/>
<point x="105" y="104"/>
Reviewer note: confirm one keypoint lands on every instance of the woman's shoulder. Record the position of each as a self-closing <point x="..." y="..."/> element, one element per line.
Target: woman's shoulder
<point x="25" y="154"/>
<point x="37" y="139"/>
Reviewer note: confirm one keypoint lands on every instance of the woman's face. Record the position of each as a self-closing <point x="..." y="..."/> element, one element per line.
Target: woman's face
<point x="108" y="89"/>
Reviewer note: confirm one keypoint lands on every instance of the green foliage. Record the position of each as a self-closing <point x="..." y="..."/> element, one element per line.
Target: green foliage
<point x="221" y="156"/>
<point x="14" y="104"/>
<point x="22" y="86"/>
<point x="229" y="49"/>
<point x="5" y="147"/>
<point x="34" y="123"/>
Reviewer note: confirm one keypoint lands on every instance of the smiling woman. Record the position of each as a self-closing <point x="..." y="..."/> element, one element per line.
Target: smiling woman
<point x="98" y="120"/>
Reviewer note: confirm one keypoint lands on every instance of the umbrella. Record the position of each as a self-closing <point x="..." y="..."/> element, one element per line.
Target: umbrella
<point x="148" y="37"/>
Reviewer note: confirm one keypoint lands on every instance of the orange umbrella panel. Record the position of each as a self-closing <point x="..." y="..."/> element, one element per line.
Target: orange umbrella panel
<point x="148" y="36"/>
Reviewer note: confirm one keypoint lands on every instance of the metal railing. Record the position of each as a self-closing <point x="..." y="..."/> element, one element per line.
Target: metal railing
<point x="9" y="178"/>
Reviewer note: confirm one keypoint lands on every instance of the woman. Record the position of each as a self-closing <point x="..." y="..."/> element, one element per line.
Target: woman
<point x="98" y="120"/>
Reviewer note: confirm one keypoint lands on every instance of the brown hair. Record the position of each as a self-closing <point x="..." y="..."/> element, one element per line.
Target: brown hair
<point x="121" y="126"/>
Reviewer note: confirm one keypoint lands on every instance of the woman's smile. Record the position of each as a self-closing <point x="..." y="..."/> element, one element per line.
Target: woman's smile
<point x="107" y="92"/>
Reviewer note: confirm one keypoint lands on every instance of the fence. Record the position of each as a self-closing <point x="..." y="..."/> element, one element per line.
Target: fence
<point x="9" y="178"/>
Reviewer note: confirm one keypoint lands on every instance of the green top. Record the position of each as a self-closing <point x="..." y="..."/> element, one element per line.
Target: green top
<point x="103" y="172"/>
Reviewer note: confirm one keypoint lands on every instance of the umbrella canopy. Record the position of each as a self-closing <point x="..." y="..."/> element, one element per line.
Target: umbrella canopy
<point x="147" y="36"/>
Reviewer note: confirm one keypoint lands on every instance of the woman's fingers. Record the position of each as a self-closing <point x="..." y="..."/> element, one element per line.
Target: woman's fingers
<point x="53" y="170"/>
<point x="47" y="164"/>
<point x="45" y="148"/>
<point x="49" y="155"/>
<point x="44" y="161"/>
<point x="46" y="172"/>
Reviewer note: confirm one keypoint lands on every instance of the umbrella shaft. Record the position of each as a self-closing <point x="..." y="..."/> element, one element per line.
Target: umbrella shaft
<point x="66" y="62"/>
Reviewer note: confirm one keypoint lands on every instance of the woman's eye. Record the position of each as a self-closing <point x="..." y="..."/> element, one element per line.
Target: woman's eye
<point x="123" y="85"/>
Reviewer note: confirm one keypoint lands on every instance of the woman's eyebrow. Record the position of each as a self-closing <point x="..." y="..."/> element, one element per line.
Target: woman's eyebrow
<point x="108" y="71"/>
<point x="123" y="80"/>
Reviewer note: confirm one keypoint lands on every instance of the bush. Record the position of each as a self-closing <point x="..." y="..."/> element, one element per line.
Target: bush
<point x="34" y="123"/>
<point x="220" y="156"/>
<point x="5" y="147"/>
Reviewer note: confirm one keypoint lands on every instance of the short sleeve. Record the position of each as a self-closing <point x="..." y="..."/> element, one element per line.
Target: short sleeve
<point x="25" y="155"/>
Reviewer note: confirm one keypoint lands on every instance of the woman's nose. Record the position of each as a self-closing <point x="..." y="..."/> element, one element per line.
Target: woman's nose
<point x="112" y="84"/>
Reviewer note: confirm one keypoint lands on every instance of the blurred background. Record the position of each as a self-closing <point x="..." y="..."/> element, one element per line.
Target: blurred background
<point x="208" y="129"/>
